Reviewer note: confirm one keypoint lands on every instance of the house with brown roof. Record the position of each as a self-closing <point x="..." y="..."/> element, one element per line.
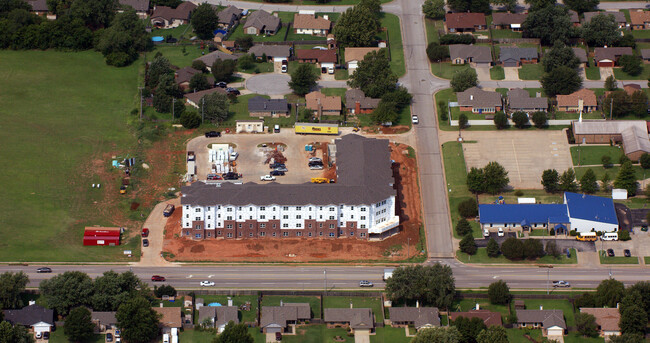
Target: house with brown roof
<point x="419" y="317"/>
<point x="628" y="89"/>
<point x="357" y="319"/>
<point x="183" y="76"/>
<point x="229" y="16"/>
<point x="583" y="100"/>
<point x="171" y="318"/>
<point x="39" y="7"/>
<point x="619" y="17"/>
<point x="465" y="22"/>
<point x="489" y="318"/>
<point x="262" y="23"/>
<point x="218" y="316"/>
<point x="480" y="56"/>
<point x="355" y="55"/>
<point x="323" y="105"/>
<point x="281" y="318"/>
<point x="356" y="102"/>
<point x="608" y="56"/>
<point x="194" y="98"/>
<point x="326" y="59"/>
<point x="639" y="20"/>
<point x="508" y="21"/>
<point x="476" y="100"/>
<point x="310" y="24"/>
<point x="141" y="7"/>
<point x="550" y="321"/>
<point x="167" y="17"/>
<point x="607" y="319"/>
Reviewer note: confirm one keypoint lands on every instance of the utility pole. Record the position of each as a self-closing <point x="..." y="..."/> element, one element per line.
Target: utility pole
<point x="202" y="115"/>
<point x="611" y="107"/>
<point x="325" y="278"/>
<point x="548" y="276"/>
<point x="140" y="88"/>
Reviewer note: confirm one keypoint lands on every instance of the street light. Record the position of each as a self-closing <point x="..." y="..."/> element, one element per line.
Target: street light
<point x="548" y="276"/>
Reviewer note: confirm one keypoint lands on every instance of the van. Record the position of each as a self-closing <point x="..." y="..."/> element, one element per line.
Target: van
<point x="166" y="338"/>
<point x="609" y="236"/>
<point x="169" y="209"/>
<point x="276" y="128"/>
<point x="587" y="237"/>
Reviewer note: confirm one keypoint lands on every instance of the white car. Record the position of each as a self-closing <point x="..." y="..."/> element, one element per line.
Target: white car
<point x="365" y="283"/>
<point x="267" y="178"/>
<point x="284" y="68"/>
<point x="315" y="159"/>
<point x="234" y="155"/>
<point x="316" y="167"/>
<point x="561" y="284"/>
<point x="486" y="233"/>
<point x="500" y="232"/>
<point x="207" y="283"/>
<point x="414" y="119"/>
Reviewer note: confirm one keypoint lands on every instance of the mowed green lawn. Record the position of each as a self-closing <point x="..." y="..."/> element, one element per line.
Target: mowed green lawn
<point x="592" y="155"/>
<point x="61" y="111"/>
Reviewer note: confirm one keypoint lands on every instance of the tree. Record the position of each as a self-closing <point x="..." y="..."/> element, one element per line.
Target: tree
<point x="601" y="30"/>
<point x="633" y="320"/>
<point x="606" y="160"/>
<point x="303" y="79"/>
<point x="111" y="289"/>
<point x="512" y="249"/>
<point x="66" y="291"/>
<point x="499" y="293"/>
<point x="582" y="6"/>
<point x="496" y="177"/>
<point x="642" y="288"/>
<point x="476" y="180"/>
<point x="124" y="39"/>
<point x="15" y="334"/>
<point x="11" y="286"/>
<point x="492" y="248"/>
<point x="469" y="328"/>
<point x="468" y="208"/>
<point x="585" y="300"/>
<point x="437" y="52"/>
<point x="374" y="6"/>
<point x="386" y="112"/>
<point x="480" y="6"/>
<point x="400" y="97"/>
<point x="630" y="64"/>
<point x="533" y="249"/>
<point x="373" y="75"/>
<point x="552" y="249"/>
<point x="139" y="323"/>
<point x="190" y="119"/>
<point x="617" y="104"/>
<point x="356" y="27"/>
<point x="586" y="324"/>
<point x="204" y="21"/>
<point x="234" y="333"/>
<point x="549" y="24"/>
<point x="520" y="119"/>
<point x="200" y="66"/>
<point x="464" y="79"/>
<point x="610" y="83"/>
<point x="168" y="3"/>
<point x="78" y="325"/>
<point x="463" y="227"/>
<point x="452" y="38"/>
<point x="568" y="181"/>
<point x="166" y="90"/>
<point x="468" y="245"/>
<point x="550" y="180"/>
<point x="462" y="121"/>
<point x="536" y="5"/>
<point x="199" y="82"/>
<point x="246" y="62"/>
<point x="638" y="104"/>
<point x="500" y="120"/>
<point x="560" y="55"/>
<point x="588" y="182"/>
<point x="604" y="181"/>
<point x="644" y="161"/>
<point x="222" y="70"/>
<point x="493" y="334"/>
<point x="432" y="285"/>
<point x="627" y="338"/>
<point x="437" y="335"/>
<point x="626" y="179"/>
<point x="609" y="293"/>
<point x="459" y="5"/>
<point x="561" y="80"/>
<point x="539" y="119"/>
<point x="215" y="107"/>
<point x="244" y="43"/>
<point x="510" y="5"/>
<point x="163" y="290"/>
<point x="434" y="9"/>
<point x="158" y="67"/>
<point x="94" y="13"/>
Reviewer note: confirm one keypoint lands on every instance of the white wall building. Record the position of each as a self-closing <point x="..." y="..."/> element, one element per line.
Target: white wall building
<point x="591" y="213"/>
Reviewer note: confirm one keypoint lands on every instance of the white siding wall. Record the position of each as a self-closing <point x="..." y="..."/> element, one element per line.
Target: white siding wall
<point x="582" y="225"/>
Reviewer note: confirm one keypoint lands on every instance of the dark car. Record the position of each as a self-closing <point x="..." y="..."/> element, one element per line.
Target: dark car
<point x="627" y="253"/>
<point x="213" y="134"/>
<point x="46" y="335"/>
<point x="610" y="252"/>
<point x="145" y="242"/>
<point x="234" y="91"/>
<point x="222" y="84"/>
<point x="231" y="176"/>
<point x="109" y="337"/>
<point x="278" y="336"/>
<point x="276" y="165"/>
<point x="44" y="270"/>
<point x="276" y="173"/>
<point x="213" y="177"/>
<point x="157" y="278"/>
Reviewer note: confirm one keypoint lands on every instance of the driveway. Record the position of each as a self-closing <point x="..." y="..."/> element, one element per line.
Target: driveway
<point x="512" y="73"/>
<point x="361" y="336"/>
<point x="606" y="72"/>
<point x="483" y="73"/>
<point x="269" y="84"/>
<point x="156" y="224"/>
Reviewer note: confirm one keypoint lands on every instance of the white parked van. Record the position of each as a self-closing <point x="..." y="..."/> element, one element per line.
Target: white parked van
<point x="166" y="338"/>
<point x="609" y="236"/>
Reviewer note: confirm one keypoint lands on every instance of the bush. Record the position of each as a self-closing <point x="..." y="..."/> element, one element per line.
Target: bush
<point x="437" y="52"/>
<point x="513" y="249"/>
<point x="451" y="38"/>
<point x="606" y="160"/>
<point x="624" y="235"/>
<point x="573" y="233"/>
<point x="463" y="227"/>
<point x="518" y="193"/>
<point x="533" y="249"/>
<point x="520" y="119"/>
<point x="190" y="120"/>
<point x="539" y="119"/>
<point x="499" y="293"/>
<point x="462" y="120"/>
<point x="630" y="64"/>
<point x="492" y="248"/>
<point x="468" y="245"/>
<point x="500" y="120"/>
<point x="468" y="208"/>
<point x="442" y="110"/>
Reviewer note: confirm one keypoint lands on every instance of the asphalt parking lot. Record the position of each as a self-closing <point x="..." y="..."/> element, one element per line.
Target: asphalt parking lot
<point x="269" y="84"/>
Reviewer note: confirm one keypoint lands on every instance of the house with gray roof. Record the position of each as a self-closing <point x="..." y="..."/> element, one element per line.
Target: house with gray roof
<point x="581" y="54"/>
<point x="280" y="318"/>
<point x="419" y="317"/>
<point x="39" y="7"/>
<point x="645" y="55"/>
<point x="103" y="321"/>
<point x="550" y="321"/>
<point x="515" y="57"/>
<point x="357" y="319"/>
<point x="476" y="100"/>
<point x="575" y="19"/>
<point x="183" y="76"/>
<point x="481" y="56"/>
<point x="261" y="22"/>
<point x="210" y="58"/>
<point x="357" y="102"/>
<point x="229" y="16"/>
<point x="218" y="316"/>
<point x="262" y="107"/>
<point x="141" y="7"/>
<point x="609" y="56"/>
<point x="276" y="53"/>
<point x="35" y="317"/>
<point x="619" y="17"/>
<point x="508" y="21"/>
<point x="520" y="100"/>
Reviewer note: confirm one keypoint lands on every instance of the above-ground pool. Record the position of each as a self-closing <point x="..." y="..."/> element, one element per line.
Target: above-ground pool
<point x="158" y="38"/>
<point x="220" y="31"/>
<point x="214" y="304"/>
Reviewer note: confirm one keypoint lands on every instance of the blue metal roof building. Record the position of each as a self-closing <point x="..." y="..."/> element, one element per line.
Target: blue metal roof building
<point x="591" y="213"/>
<point x="523" y="214"/>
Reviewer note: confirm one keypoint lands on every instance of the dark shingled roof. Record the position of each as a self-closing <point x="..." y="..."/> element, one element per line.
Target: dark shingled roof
<point x="29" y="315"/>
<point x="38" y="5"/>
<point x="262" y="19"/>
<point x="319" y="55"/>
<point x="489" y="318"/>
<point x="280" y="315"/>
<point x="270" y="50"/>
<point x="260" y="104"/>
<point x="477" y="97"/>
<point x="138" y="5"/>
<point x="581" y="54"/>
<point x="547" y="318"/>
<point x="478" y="53"/>
<point x="464" y="20"/>
<point x="520" y="99"/>
<point x="517" y="54"/>
<point x="220" y="314"/>
<point x="611" y="53"/>
<point x="354" y="95"/>
<point x="508" y="18"/>
<point x="419" y="316"/>
<point x="227" y="14"/>
<point x="104" y="318"/>
<point x="618" y="16"/>
<point x="359" y="318"/>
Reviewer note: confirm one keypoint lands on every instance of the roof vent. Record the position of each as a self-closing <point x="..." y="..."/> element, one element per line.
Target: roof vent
<point x="471" y="97"/>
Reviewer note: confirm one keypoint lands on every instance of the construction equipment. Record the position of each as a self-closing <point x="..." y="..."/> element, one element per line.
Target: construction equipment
<point x="321" y="180"/>
<point x="123" y="189"/>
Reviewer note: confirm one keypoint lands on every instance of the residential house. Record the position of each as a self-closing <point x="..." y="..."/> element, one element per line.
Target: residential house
<point x="481" y="56"/>
<point x="515" y="57"/>
<point x="489" y="318"/>
<point x="357" y="319"/>
<point x="183" y="76"/>
<point x="607" y="320"/>
<point x="583" y="100"/>
<point x="310" y="24"/>
<point x="608" y="57"/>
<point x="575" y="19"/>
<point x="262" y="23"/>
<point x="419" y="317"/>
<point x="356" y="102"/>
<point x="194" y="98"/>
<point x="218" y="316"/>
<point x="249" y="126"/>
<point x="645" y="55"/>
<point x="581" y="54"/>
<point x="171" y="318"/>
<point x="141" y="7"/>
<point x="465" y="22"/>
<point x="508" y="21"/>
<point x="280" y="318"/>
<point x="550" y="321"/>
<point x="103" y="321"/>
<point x="355" y="55"/>
<point x="39" y="7"/>
<point x="323" y="105"/>
<point x="633" y="134"/>
<point x="277" y="53"/>
<point x="618" y="16"/>
<point x="520" y="100"/>
<point x="210" y="58"/>
<point x="167" y="17"/>
<point x="477" y="100"/>
<point x="628" y="89"/>
<point x="229" y="16"/>
<point x="326" y="59"/>
<point x="262" y="107"/>
<point x="639" y="20"/>
<point x="38" y="318"/>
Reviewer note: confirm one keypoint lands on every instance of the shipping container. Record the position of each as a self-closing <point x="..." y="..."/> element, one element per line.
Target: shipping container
<point x="316" y="128"/>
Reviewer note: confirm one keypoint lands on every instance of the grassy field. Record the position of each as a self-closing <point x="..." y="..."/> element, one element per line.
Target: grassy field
<point x="647" y="259"/>
<point x="432" y="27"/>
<point x="196" y="336"/>
<point x="531" y="71"/>
<point x="357" y="302"/>
<point x="504" y="34"/>
<point x="389" y="335"/>
<point x="314" y="302"/>
<point x="317" y="334"/>
<point x="592" y="73"/>
<point x="245" y="316"/>
<point x="467" y="303"/>
<point x="604" y="259"/>
<point x="497" y="73"/>
<point x="61" y="112"/>
<point x="58" y="336"/>
<point x="391" y="23"/>
<point x="640" y="34"/>
<point x="620" y="75"/>
<point x="591" y="155"/>
<point x="482" y="257"/>
<point x="182" y="31"/>
<point x="446" y="70"/>
<point x="175" y="54"/>
<point x="612" y="172"/>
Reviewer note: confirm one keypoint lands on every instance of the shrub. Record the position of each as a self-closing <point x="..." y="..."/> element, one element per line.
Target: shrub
<point x="606" y="160"/>
<point x="519" y="193"/>
<point x="451" y="38"/>
<point x="190" y="120"/>
<point x="539" y="119"/>
<point x="463" y="227"/>
<point x="468" y="245"/>
<point x="624" y="235"/>
<point x="500" y="120"/>
<point x="499" y="293"/>
<point x="468" y="208"/>
<point x="520" y="119"/>
<point x="164" y="290"/>
<point x="513" y="249"/>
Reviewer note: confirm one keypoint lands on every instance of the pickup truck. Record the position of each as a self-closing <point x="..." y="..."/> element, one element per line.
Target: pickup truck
<point x="267" y="178"/>
<point x="561" y="284"/>
<point x="169" y="209"/>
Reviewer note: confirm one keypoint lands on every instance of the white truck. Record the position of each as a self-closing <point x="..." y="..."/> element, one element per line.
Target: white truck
<point x="388" y="272"/>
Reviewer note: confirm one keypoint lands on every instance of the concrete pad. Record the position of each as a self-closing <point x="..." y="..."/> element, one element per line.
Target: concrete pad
<point x="512" y="73"/>
<point x="361" y="336"/>
<point x="606" y="72"/>
<point x="483" y="73"/>
<point x="269" y="84"/>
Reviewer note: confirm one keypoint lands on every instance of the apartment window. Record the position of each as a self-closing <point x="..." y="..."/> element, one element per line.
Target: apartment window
<point x="274" y="234"/>
<point x="320" y="233"/>
<point x="310" y="217"/>
<point x="198" y="235"/>
<point x="285" y="208"/>
<point x="309" y="234"/>
<point x="250" y="226"/>
<point x="239" y="208"/>
<point x="229" y="235"/>
<point x="218" y="215"/>
<point x="320" y="217"/>
<point x="341" y="232"/>
<point x="320" y="208"/>
<point x="309" y="225"/>
<point x="229" y="209"/>
<point x="209" y="234"/>
<point x="363" y="209"/>
<point x="341" y="206"/>
<point x="262" y="226"/>
<point x="331" y="217"/>
<point x="351" y="224"/>
<point x="298" y="216"/>
<point x="331" y="226"/>
<point x="250" y="209"/>
<point x="262" y="234"/>
<point x="298" y="208"/>
<point x="331" y="234"/>
<point x="299" y="225"/>
<point x="285" y="234"/>
<point x="341" y="224"/>
<point x="187" y="207"/>
<point x="250" y="234"/>
<point x="286" y="216"/>
<point x="209" y="217"/>
<point x="262" y="217"/>
<point x="285" y="225"/>
<point x="351" y="233"/>
<point x="298" y="234"/>
<point x="332" y="209"/>
<point x="209" y="226"/>
<point x="351" y="207"/>
<point x="239" y="225"/>
<point x="250" y="217"/>
<point x="187" y="216"/>
<point x="197" y="210"/>
<point x="240" y="234"/>
<point x="363" y="217"/>
<point x="229" y="218"/>
<point x="352" y="216"/>
<point x="239" y="217"/>
<point x="309" y="208"/>
<point x="262" y="208"/>
<point x="197" y="218"/>
<point x="320" y="225"/>
<point x="218" y="233"/>
<point x="198" y="227"/>
<point x="363" y="234"/>
<point x="274" y="226"/>
<point x="229" y="226"/>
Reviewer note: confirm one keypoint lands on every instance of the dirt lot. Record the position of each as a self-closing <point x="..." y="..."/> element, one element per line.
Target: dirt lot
<point x="303" y="250"/>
